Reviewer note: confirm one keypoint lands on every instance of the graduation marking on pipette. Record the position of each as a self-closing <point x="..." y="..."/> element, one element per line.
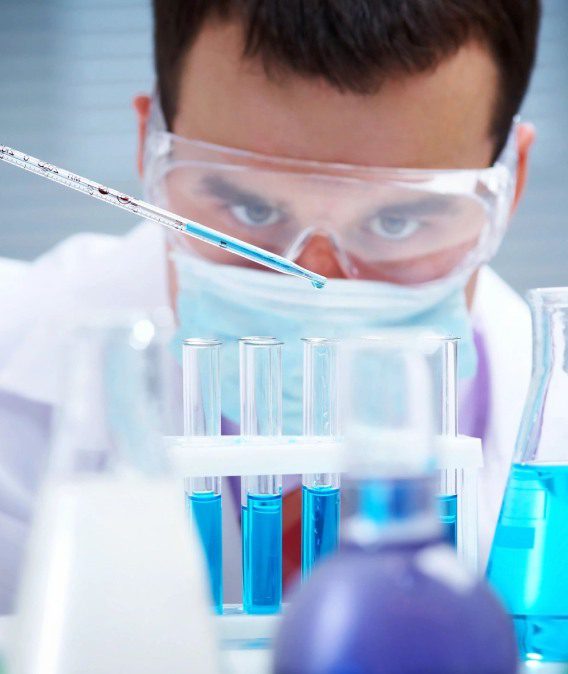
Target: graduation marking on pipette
<point x="159" y="215"/>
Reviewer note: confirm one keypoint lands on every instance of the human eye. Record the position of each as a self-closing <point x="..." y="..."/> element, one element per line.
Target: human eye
<point x="393" y="226"/>
<point x="245" y="207"/>
<point x="255" y="213"/>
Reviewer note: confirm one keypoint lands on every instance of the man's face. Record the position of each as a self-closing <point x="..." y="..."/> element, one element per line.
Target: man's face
<point x="440" y="119"/>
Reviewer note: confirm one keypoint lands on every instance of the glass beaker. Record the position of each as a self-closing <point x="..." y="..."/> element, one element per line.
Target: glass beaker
<point x="528" y="565"/>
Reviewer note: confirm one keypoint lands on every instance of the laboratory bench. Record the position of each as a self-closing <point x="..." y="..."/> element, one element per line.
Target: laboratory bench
<point x="258" y="660"/>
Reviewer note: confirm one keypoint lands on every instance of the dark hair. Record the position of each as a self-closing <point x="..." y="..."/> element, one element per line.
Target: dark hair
<point x="355" y="44"/>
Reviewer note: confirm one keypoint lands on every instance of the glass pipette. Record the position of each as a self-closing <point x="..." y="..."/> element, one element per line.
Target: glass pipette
<point x="163" y="217"/>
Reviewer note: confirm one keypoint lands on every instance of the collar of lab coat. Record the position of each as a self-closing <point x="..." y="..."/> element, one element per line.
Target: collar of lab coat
<point x="86" y="274"/>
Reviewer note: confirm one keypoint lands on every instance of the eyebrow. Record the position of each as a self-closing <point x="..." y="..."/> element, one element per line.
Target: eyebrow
<point x="430" y="204"/>
<point x="224" y="189"/>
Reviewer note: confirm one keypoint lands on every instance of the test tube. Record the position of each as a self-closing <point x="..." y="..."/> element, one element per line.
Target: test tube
<point x="444" y="367"/>
<point x="202" y="417"/>
<point x="261" y="495"/>
<point x="320" y="491"/>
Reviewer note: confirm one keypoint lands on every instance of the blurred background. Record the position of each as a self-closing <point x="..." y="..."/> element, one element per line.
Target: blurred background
<point x="69" y="70"/>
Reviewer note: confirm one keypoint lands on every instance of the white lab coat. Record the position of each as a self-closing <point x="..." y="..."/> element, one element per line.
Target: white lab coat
<point x="40" y="301"/>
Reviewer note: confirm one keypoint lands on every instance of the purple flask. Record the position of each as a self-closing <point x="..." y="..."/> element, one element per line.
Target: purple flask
<point x="405" y="607"/>
<point x="395" y="599"/>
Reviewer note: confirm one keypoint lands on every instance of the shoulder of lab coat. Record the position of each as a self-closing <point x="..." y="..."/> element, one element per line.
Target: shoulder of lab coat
<point x="39" y="303"/>
<point x="11" y="272"/>
<point x="504" y="320"/>
<point x="87" y="273"/>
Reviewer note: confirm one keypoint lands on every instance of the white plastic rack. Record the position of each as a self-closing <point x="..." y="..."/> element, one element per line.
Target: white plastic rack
<point x="235" y="455"/>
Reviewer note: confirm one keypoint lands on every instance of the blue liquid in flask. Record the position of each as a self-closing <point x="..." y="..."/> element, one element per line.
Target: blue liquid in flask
<point x="262" y="553"/>
<point x="320" y="524"/>
<point x="528" y="566"/>
<point x="448" y="512"/>
<point x="205" y="508"/>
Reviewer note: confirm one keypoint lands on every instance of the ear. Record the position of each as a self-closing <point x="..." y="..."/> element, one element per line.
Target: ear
<point x="141" y="105"/>
<point x="525" y="138"/>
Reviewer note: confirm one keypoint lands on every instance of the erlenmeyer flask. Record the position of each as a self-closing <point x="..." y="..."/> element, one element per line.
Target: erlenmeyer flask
<point x="528" y="565"/>
<point x="114" y="582"/>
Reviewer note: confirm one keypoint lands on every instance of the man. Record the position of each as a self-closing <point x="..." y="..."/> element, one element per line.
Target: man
<point x="304" y="127"/>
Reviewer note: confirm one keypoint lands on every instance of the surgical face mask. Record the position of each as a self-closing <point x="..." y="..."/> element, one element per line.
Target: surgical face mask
<point x="403" y="226"/>
<point x="229" y="302"/>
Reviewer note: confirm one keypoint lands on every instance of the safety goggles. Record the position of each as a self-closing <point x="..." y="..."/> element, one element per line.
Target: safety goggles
<point x="397" y="225"/>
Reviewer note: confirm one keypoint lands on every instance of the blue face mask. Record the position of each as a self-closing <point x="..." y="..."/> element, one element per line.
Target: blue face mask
<point x="230" y="302"/>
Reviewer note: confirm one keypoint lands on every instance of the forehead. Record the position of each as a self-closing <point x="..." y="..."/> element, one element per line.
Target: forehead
<point x="438" y="119"/>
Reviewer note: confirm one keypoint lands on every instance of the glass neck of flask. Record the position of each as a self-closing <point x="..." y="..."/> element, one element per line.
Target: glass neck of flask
<point x="543" y="436"/>
<point x="385" y="510"/>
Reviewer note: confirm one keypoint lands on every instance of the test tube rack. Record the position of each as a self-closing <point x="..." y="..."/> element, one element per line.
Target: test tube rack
<point x="239" y="456"/>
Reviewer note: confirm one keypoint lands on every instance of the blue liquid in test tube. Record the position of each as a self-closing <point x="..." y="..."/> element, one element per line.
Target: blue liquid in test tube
<point x="448" y="512"/>
<point x="261" y="495"/>
<point x="202" y="417"/>
<point x="262" y="561"/>
<point x="320" y="524"/>
<point x="320" y="491"/>
<point x="205" y="508"/>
